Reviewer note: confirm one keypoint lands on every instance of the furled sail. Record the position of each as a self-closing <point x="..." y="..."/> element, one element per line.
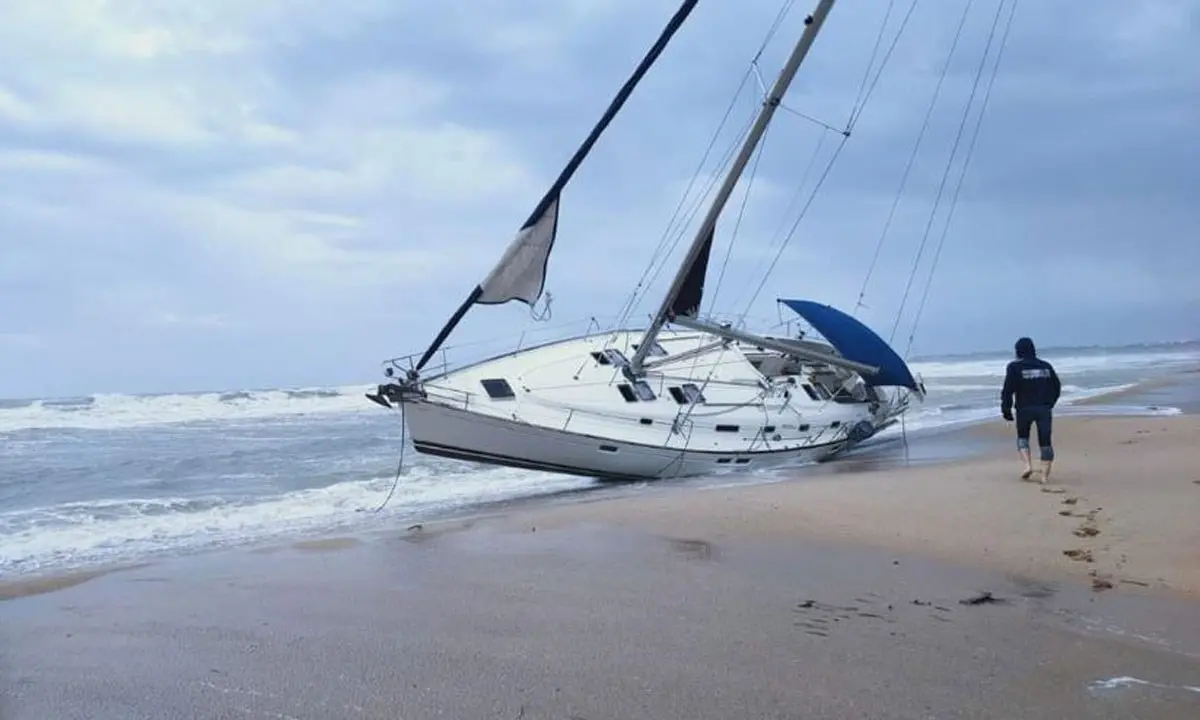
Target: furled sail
<point x="691" y="292"/>
<point x="521" y="272"/>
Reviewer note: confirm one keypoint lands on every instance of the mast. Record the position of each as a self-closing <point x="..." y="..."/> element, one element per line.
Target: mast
<point x="690" y="276"/>
<point x="521" y="271"/>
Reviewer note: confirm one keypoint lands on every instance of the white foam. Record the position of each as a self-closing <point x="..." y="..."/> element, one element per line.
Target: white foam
<point x="1124" y="681"/>
<point x="108" y="412"/>
<point x="1065" y="365"/>
<point x="83" y="533"/>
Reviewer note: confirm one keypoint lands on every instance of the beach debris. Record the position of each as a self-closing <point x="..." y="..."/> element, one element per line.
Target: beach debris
<point x="1065" y="513"/>
<point x="983" y="598"/>
<point x="1054" y="490"/>
<point x="807" y="604"/>
<point x="1135" y="582"/>
<point x="1100" y="583"/>
<point x="1070" y="500"/>
<point x="415" y="528"/>
<point x="693" y="549"/>
<point x="1079" y="554"/>
<point x="921" y="602"/>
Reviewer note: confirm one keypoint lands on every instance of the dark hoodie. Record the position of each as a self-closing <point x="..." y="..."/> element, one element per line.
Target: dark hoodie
<point x="1031" y="379"/>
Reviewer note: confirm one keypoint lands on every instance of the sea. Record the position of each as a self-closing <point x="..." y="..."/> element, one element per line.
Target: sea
<point x="111" y="478"/>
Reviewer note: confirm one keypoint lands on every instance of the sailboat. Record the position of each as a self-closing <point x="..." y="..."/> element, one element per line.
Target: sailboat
<point x="683" y="396"/>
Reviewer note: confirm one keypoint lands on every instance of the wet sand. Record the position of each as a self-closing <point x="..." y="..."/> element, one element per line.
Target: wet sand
<point x="844" y="592"/>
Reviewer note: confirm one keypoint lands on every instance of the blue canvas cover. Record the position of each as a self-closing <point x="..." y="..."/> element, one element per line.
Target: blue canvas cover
<point x="857" y="342"/>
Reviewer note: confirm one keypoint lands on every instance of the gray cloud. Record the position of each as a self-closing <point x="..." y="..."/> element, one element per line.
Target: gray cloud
<point x="261" y="197"/>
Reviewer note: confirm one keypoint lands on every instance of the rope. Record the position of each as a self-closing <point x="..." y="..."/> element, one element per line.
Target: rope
<point x="987" y="94"/>
<point x="400" y="465"/>
<point x="546" y="313"/>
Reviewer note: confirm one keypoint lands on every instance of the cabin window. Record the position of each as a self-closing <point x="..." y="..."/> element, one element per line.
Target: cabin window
<point x="615" y="357"/>
<point x="600" y="358"/>
<point x="655" y="349"/>
<point x="608" y="448"/>
<point x="811" y="393"/>
<point x="742" y="461"/>
<point x="687" y="393"/>
<point x="643" y="391"/>
<point x="646" y="421"/>
<point x="498" y="389"/>
<point x="803" y="428"/>
<point x="639" y="390"/>
<point x="835" y="423"/>
<point x="768" y="429"/>
<point x="727" y="428"/>
<point x="823" y="391"/>
<point x="723" y="461"/>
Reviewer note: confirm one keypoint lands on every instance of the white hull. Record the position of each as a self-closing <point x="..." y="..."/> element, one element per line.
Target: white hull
<point x="448" y="432"/>
<point x="562" y="408"/>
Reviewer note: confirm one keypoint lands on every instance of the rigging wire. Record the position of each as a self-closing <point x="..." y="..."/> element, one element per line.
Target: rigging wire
<point x="741" y="214"/>
<point x="862" y="86"/>
<point x="855" y="114"/>
<point x="784" y="10"/>
<point x="678" y="223"/>
<point x="912" y="158"/>
<point x="796" y="198"/>
<point x="857" y="109"/>
<point x="946" y="173"/>
<point x="987" y="93"/>
<point x="803" y="211"/>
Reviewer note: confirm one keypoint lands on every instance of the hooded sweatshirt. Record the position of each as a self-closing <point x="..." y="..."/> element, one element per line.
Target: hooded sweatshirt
<point x="1030" y="379"/>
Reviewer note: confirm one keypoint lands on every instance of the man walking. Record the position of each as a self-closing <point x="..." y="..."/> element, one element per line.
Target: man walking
<point x="1036" y="388"/>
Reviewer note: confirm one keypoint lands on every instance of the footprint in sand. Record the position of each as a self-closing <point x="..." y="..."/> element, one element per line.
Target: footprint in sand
<point x="1086" y="530"/>
<point x="1079" y="554"/>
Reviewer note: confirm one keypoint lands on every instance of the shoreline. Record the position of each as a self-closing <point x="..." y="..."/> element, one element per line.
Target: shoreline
<point x="999" y="523"/>
<point x="866" y="589"/>
<point x="936" y="446"/>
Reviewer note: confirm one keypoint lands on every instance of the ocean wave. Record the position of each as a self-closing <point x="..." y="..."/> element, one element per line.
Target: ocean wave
<point x="81" y="533"/>
<point x="1066" y="366"/>
<point x="112" y="411"/>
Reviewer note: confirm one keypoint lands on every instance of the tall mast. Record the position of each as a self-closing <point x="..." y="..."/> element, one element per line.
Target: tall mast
<point x="700" y="245"/>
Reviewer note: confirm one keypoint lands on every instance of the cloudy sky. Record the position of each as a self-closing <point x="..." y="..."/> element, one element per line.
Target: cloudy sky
<point x="285" y="192"/>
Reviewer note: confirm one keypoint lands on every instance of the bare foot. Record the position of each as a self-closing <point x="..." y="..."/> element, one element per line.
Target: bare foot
<point x="1028" y="472"/>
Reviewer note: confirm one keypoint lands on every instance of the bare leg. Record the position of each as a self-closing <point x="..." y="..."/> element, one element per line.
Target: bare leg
<point x="1044" y="445"/>
<point x="1023" y="448"/>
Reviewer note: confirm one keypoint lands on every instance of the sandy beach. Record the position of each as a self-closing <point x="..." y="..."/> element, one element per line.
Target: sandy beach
<point x="870" y="588"/>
